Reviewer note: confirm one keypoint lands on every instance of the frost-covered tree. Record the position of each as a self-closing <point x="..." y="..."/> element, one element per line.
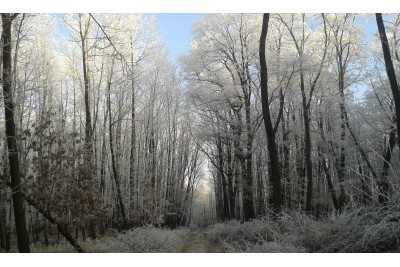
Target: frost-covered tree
<point x="11" y="134"/>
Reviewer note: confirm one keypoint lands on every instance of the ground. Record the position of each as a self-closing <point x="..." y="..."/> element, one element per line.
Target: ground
<point x="197" y="241"/>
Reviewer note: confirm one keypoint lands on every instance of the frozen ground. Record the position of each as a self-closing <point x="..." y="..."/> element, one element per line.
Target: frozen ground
<point x="197" y="241"/>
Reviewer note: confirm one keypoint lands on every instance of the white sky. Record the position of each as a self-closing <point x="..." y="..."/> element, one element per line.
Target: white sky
<point x="202" y="6"/>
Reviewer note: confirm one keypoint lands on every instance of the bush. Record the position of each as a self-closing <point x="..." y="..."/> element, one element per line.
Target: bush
<point x="147" y="239"/>
<point x="366" y="229"/>
<point x="144" y="239"/>
<point x="260" y="235"/>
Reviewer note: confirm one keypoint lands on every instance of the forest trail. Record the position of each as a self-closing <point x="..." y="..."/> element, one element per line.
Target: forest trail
<point x="196" y="241"/>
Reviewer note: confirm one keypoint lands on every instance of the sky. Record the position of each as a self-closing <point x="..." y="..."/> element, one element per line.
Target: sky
<point x="176" y="30"/>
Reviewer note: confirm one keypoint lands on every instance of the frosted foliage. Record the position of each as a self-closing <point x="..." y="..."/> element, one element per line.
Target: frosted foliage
<point x="138" y="240"/>
<point x="369" y="229"/>
<point x="261" y="235"/>
<point x="148" y="239"/>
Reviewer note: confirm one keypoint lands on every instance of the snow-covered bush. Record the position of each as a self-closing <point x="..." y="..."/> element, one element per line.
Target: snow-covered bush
<point x="260" y="235"/>
<point x="301" y="230"/>
<point x="367" y="229"/>
<point x="147" y="239"/>
<point x="144" y="239"/>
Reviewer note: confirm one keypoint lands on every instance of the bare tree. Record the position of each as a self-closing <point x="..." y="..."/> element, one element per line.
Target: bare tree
<point x="383" y="183"/>
<point x="273" y="153"/>
<point x="19" y="211"/>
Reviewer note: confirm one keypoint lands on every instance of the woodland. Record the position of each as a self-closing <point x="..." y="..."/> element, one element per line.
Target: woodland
<point x="273" y="133"/>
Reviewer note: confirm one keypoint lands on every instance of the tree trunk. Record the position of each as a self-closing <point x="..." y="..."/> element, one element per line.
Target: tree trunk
<point x="390" y="71"/>
<point x="19" y="211"/>
<point x="113" y="163"/>
<point x="60" y="227"/>
<point x="3" y="227"/>
<point x="325" y="167"/>
<point x="273" y="153"/>
<point x="342" y="159"/>
<point x="132" y="159"/>
<point x="88" y="157"/>
<point x="224" y="185"/>
<point x="383" y="184"/>
<point x="307" y="148"/>
<point x="286" y="165"/>
<point x="230" y="178"/>
<point x="300" y="169"/>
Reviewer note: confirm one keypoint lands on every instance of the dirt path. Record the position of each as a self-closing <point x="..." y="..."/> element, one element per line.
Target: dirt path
<point x="196" y="241"/>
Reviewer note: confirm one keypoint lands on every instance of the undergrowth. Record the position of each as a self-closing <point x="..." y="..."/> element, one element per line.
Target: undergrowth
<point x="358" y="229"/>
<point x="136" y="240"/>
<point x="148" y="239"/>
<point x="364" y="229"/>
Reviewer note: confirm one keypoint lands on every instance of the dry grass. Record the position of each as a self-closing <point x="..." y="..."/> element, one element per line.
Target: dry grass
<point x="366" y="229"/>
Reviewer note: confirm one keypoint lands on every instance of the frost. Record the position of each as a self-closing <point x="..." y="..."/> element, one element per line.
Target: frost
<point x="148" y="239"/>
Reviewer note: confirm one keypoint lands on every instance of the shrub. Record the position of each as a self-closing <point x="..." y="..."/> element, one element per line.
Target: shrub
<point x="147" y="239"/>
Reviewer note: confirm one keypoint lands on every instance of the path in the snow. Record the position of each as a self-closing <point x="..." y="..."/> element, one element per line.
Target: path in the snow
<point x="196" y="241"/>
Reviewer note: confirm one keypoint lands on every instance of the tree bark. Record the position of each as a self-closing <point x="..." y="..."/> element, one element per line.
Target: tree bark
<point x="272" y="150"/>
<point x="19" y="211"/>
<point x="88" y="121"/>
<point x="390" y="70"/>
<point x="383" y="184"/>
<point x="331" y="189"/>
<point x="113" y="162"/>
<point x="132" y="159"/>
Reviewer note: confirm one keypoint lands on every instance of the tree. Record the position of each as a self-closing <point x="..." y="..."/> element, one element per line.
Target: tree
<point x="306" y="97"/>
<point x="383" y="184"/>
<point x="273" y="153"/>
<point x="19" y="211"/>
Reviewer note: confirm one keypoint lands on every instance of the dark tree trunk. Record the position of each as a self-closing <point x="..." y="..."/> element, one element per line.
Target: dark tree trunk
<point x="248" y="204"/>
<point x="88" y="121"/>
<point x="230" y="177"/>
<point x="383" y="184"/>
<point x="360" y="149"/>
<point x="325" y="167"/>
<point x="19" y="211"/>
<point x="342" y="160"/>
<point x="218" y="199"/>
<point x="113" y="162"/>
<point x="224" y="184"/>
<point x="307" y="147"/>
<point x="275" y="175"/>
<point x="60" y="227"/>
<point x="132" y="160"/>
<point x="390" y="70"/>
<point x="248" y="158"/>
<point x="300" y="169"/>
<point x="286" y="165"/>
<point x="365" y="189"/>
<point x="3" y="227"/>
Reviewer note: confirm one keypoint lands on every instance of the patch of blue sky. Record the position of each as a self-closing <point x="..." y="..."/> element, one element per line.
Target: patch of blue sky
<point x="176" y="31"/>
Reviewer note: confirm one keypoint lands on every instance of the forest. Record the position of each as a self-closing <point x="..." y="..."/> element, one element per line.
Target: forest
<point x="273" y="133"/>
